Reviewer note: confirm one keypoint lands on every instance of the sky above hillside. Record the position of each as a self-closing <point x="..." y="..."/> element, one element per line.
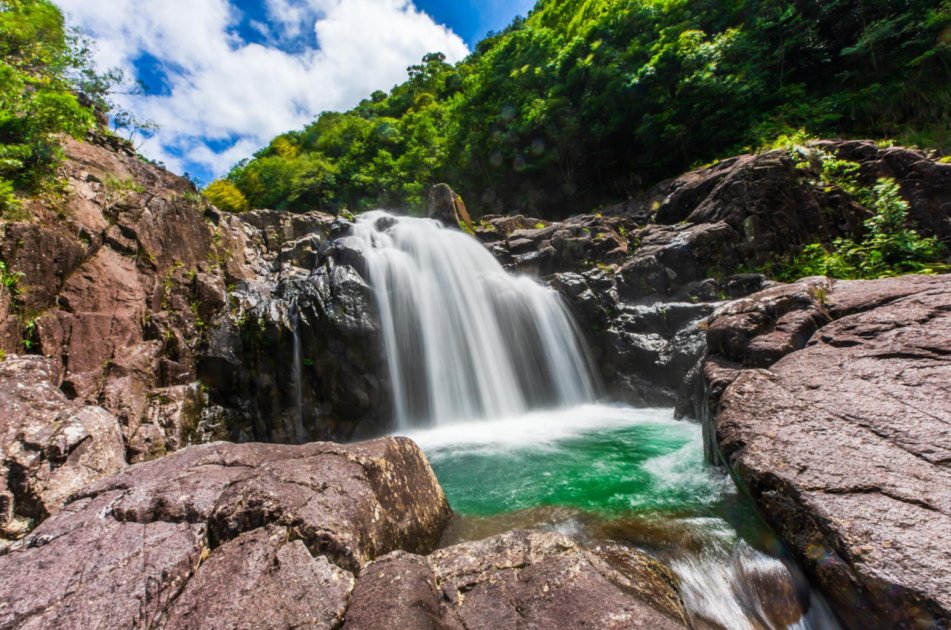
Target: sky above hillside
<point x="223" y="77"/>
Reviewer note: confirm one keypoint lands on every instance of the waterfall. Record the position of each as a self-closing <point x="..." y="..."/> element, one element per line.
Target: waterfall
<point x="463" y="338"/>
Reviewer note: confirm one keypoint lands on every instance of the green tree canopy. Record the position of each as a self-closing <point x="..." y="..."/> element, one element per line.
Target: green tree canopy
<point x="47" y="89"/>
<point x="588" y="101"/>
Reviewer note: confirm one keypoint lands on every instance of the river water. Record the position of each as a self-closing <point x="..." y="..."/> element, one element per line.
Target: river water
<point x="492" y="378"/>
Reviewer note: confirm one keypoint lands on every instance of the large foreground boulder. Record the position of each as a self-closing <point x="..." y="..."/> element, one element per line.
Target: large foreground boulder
<point x="224" y="536"/>
<point x="520" y="579"/>
<point x="831" y="401"/>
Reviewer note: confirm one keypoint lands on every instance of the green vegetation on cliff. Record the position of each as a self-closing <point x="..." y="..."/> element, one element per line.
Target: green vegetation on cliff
<point x="48" y="88"/>
<point x="889" y="247"/>
<point x="588" y="101"/>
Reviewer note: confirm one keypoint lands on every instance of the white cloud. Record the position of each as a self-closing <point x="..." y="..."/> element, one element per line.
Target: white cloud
<point x="223" y="88"/>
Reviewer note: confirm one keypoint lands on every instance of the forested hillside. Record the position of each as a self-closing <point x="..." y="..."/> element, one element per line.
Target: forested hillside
<point x="588" y="101"/>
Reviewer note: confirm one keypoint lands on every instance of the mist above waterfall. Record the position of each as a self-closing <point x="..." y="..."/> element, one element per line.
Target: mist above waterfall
<point x="463" y="338"/>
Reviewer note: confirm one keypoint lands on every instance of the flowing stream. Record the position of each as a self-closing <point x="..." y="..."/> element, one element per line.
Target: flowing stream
<point x="492" y="378"/>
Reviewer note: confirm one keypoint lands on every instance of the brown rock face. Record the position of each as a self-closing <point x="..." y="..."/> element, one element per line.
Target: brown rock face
<point x="833" y="406"/>
<point x="224" y="536"/>
<point x="521" y="579"/>
<point x="115" y="285"/>
<point x="177" y="318"/>
<point x="446" y="206"/>
<point x="273" y="583"/>
<point x="50" y="447"/>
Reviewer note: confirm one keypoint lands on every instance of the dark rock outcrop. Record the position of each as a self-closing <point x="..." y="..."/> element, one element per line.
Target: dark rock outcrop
<point x="300" y="356"/>
<point x="223" y="536"/>
<point x="521" y="579"/>
<point x="925" y="183"/>
<point x="830" y="402"/>
<point x="685" y="245"/>
<point x="50" y="447"/>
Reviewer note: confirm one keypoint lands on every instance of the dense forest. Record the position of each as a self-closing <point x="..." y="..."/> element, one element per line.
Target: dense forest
<point x="589" y="101"/>
<point x="582" y="103"/>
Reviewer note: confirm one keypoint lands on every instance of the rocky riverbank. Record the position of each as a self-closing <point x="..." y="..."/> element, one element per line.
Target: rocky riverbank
<point x="137" y="320"/>
<point x="831" y="403"/>
<point x="322" y="536"/>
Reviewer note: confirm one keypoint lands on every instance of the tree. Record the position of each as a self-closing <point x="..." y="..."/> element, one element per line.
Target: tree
<point x="48" y="88"/>
<point x="226" y="196"/>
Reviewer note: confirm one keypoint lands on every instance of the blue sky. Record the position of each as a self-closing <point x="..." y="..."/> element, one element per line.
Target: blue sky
<point x="473" y="19"/>
<point x="225" y="76"/>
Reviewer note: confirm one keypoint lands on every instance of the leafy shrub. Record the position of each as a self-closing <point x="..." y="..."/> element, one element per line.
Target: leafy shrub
<point x="889" y="247"/>
<point x="47" y="89"/>
<point x="8" y="199"/>
<point x="226" y="196"/>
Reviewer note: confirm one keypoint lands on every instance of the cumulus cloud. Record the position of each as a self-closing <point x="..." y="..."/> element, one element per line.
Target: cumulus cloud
<point x="225" y="96"/>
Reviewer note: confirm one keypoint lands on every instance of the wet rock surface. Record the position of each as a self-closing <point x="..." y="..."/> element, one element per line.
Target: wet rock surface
<point x="224" y="535"/>
<point x="830" y="402"/>
<point x="520" y="579"/>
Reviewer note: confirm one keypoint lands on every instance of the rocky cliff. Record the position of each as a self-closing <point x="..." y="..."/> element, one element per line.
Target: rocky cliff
<point x="641" y="275"/>
<point x="148" y="321"/>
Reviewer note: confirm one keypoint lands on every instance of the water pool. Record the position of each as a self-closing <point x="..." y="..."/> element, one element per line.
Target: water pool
<point x="602" y="473"/>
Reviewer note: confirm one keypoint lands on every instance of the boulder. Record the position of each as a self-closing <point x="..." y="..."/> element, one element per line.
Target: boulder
<point x="830" y="402"/>
<point x="448" y="208"/>
<point x="520" y="579"/>
<point x="224" y="536"/>
<point x="273" y="583"/>
<point x="50" y="447"/>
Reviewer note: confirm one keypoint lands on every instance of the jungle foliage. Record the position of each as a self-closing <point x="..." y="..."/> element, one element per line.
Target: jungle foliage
<point x="588" y="101"/>
<point x="48" y="88"/>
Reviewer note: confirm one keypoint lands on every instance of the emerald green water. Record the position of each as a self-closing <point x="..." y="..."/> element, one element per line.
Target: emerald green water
<point x="635" y="476"/>
<point x="647" y="466"/>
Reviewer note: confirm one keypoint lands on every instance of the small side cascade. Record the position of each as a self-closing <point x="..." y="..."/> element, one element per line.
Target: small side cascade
<point x="463" y="338"/>
<point x="300" y="434"/>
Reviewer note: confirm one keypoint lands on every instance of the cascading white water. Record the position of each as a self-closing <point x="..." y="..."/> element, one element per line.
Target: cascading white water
<point x="472" y="351"/>
<point x="464" y="339"/>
